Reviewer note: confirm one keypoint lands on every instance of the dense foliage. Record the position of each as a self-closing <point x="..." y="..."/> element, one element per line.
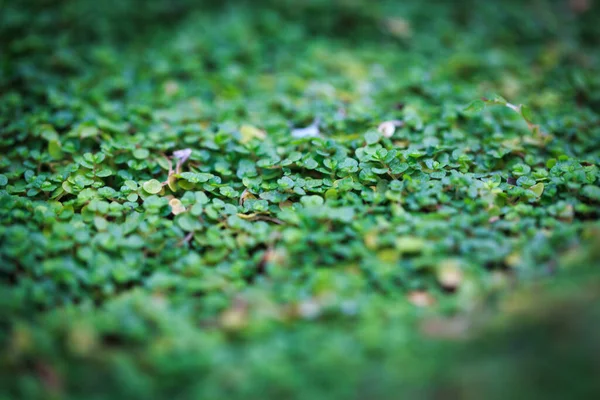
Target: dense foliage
<point x="277" y="199"/>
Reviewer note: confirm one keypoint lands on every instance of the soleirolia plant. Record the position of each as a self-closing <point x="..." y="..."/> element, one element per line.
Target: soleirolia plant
<point x="521" y="109"/>
<point x="288" y="200"/>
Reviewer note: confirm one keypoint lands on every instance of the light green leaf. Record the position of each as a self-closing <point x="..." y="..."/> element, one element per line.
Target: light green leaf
<point x="141" y="154"/>
<point x="475" y="106"/>
<point x="591" y="192"/>
<point x="538" y="189"/>
<point x="55" y="149"/>
<point x="152" y="186"/>
<point x="527" y="113"/>
<point x="249" y="132"/>
<point x="499" y="99"/>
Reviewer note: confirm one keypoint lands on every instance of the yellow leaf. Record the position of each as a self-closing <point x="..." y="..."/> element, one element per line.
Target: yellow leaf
<point x="246" y="216"/>
<point x="421" y="298"/>
<point x="172" y="182"/>
<point x="449" y="274"/>
<point x="176" y="206"/>
<point x="410" y="244"/>
<point x="538" y="189"/>
<point x="398" y="27"/>
<point x="250" y="132"/>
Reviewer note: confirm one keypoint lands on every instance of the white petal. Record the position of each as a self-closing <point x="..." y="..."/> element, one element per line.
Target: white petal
<point x="309" y="131"/>
<point x="183" y="154"/>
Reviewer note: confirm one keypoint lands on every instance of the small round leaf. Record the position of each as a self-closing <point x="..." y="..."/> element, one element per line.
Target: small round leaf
<point x="152" y="186"/>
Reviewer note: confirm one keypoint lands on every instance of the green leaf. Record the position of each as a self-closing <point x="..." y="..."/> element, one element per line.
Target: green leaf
<point x="592" y="192"/>
<point x="228" y="191"/>
<point x="152" y="186"/>
<point x="141" y="154"/>
<point x="86" y="131"/>
<point x="348" y="165"/>
<point x="499" y="100"/>
<point x="312" y="201"/>
<point x="311" y="164"/>
<point x="196" y="177"/>
<point x="285" y="183"/>
<point x="188" y="222"/>
<point x="410" y="244"/>
<point x="521" y="169"/>
<point x="475" y="106"/>
<point x="55" y="149"/>
<point x="196" y="209"/>
<point x="131" y="184"/>
<point x="66" y="185"/>
<point x="527" y="113"/>
<point x="104" y="172"/>
<point x="372" y="137"/>
<point x="133" y="197"/>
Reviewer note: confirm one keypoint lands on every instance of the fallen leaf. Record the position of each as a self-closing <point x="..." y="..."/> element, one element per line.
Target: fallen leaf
<point x="445" y="328"/>
<point x="311" y="130"/>
<point x="235" y="317"/>
<point x="449" y="274"/>
<point x="538" y="189"/>
<point x="309" y="309"/>
<point x="398" y="27"/>
<point x="250" y="132"/>
<point x="176" y="206"/>
<point x="421" y="298"/>
<point x="246" y="195"/>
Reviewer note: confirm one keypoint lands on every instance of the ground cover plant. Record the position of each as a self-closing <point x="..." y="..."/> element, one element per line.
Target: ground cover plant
<point x="281" y="199"/>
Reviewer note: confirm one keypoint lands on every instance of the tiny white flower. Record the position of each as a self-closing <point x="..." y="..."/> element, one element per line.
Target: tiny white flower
<point x="311" y="130"/>
<point x="309" y="309"/>
<point x="182" y="155"/>
<point x="388" y="128"/>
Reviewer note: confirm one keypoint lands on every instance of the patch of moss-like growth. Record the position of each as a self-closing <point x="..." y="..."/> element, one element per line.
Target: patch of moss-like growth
<point x="283" y="199"/>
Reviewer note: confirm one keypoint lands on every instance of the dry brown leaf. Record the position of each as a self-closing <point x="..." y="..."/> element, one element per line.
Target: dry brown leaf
<point x="449" y="274"/>
<point x="421" y="298"/>
<point x="176" y="206"/>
